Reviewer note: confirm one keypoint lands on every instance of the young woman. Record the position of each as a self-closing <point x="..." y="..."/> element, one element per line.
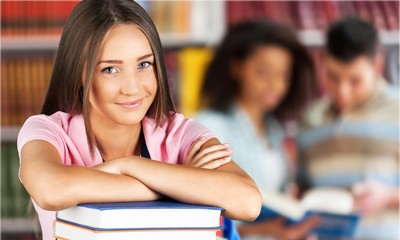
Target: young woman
<point x="107" y="111"/>
<point x="259" y="74"/>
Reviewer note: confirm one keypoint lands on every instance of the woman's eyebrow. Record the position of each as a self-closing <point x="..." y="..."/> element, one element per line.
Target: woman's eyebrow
<point x="145" y="56"/>
<point x="120" y="61"/>
<point x="111" y="61"/>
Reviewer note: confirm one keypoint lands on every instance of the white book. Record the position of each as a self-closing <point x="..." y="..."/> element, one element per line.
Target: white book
<point x="334" y="207"/>
<point x="66" y="231"/>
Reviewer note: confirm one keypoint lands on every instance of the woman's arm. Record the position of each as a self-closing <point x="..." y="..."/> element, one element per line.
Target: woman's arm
<point x="227" y="186"/>
<point x="54" y="186"/>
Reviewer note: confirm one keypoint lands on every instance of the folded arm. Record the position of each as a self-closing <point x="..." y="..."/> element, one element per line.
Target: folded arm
<point x="227" y="186"/>
<point x="54" y="186"/>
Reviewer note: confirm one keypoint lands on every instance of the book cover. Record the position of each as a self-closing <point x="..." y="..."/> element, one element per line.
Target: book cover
<point x="142" y="215"/>
<point x="192" y="65"/>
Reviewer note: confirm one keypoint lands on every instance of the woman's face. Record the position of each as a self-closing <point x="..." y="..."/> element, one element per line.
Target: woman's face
<point x="264" y="77"/>
<point x="124" y="83"/>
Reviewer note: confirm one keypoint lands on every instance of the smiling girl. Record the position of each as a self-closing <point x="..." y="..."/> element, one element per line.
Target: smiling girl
<point x="108" y="129"/>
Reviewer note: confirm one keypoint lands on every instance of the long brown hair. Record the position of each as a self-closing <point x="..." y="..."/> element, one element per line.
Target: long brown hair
<point x="79" y="50"/>
<point x="220" y="87"/>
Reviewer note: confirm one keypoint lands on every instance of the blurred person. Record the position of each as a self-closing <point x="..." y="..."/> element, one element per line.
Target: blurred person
<point x="259" y="73"/>
<point x="351" y="138"/>
<point x="108" y="122"/>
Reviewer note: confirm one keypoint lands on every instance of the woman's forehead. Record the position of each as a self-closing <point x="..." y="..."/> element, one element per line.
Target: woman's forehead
<point x="125" y="41"/>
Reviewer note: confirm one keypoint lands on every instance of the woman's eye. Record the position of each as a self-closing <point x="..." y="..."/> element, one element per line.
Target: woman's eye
<point x="109" y="70"/>
<point x="145" y="64"/>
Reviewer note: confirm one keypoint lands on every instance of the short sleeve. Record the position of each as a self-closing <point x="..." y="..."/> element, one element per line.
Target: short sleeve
<point x="39" y="128"/>
<point x="192" y="132"/>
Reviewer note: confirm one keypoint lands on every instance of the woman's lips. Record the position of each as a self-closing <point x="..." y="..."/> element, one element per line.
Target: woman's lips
<point x="131" y="104"/>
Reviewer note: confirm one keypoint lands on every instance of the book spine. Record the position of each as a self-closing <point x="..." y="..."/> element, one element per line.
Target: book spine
<point x="363" y="10"/>
<point x="306" y="15"/>
<point x="4" y="93"/>
<point x="332" y="10"/>
<point x="377" y="16"/>
<point x="12" y="96"/>
<point x="7" y="206"/>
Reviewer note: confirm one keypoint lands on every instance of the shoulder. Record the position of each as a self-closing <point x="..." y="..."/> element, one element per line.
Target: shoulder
<point x="220" y="123"/>
<point x="213" y="119"/>
<point x="391" y="96"/>
<point x="212" y="115"/>
<point x="52" y="128"/>
<point x="45" y="124"/>
<point x="56" y="120"/>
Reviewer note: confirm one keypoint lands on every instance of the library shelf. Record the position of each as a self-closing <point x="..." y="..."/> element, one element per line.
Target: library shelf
<point x="170" y="40"/>
<point x="18" y="225"/>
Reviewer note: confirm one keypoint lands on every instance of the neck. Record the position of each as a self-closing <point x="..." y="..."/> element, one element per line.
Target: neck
<point x="255" y="113"/>
<point x="114" y="140"/>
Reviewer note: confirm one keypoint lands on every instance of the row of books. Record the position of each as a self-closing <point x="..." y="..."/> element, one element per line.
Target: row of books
<point x="34" y="17"/>
<point x="15" y="201"/>
<point x="185" y="69"/>
<point x="315" y="14"/>
<point x="170" y="16"/>
<point x="48" y="17"/>
<point x="23" y="87"/>
<point x="166" y="220"/>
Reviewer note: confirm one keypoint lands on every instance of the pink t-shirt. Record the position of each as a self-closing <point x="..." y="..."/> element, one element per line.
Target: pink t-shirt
<point x="168" y="143"/>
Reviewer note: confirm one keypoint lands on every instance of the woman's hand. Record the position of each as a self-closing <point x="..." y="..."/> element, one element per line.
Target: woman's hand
<point x="276" y="228"/>
<point x="210" y="157"/>
<point x="112" y="166"/>
<point x="371" y="197"/>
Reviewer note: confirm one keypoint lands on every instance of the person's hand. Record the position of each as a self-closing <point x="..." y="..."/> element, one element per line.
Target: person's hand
<point x="112" y="166"/>
<point x="374" y="196"/>
<point x="298" y="231"/>
<point x="210" y="157"/>
<point x="276" y="228"/>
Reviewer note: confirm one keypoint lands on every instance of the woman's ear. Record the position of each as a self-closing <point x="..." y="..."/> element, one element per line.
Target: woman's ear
<point x="379" y="61"/>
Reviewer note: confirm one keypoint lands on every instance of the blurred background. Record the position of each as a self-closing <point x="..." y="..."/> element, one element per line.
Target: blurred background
<point x="189" y="30"/>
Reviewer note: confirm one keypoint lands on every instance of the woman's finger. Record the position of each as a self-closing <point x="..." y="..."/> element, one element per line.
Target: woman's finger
<point x="216" y="163"/>
<point x="194" y="149"/>
<point x="211" y="149"/>
<point x="199" y="161"/>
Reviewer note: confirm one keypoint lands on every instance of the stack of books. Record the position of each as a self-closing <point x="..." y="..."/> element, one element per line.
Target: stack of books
<point x="138" y="220"/>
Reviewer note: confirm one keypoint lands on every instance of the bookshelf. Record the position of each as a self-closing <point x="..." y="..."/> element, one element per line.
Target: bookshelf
<point x="45" y="43"/>
<point x="316" y="38"/>
<point x="9" y="133"/>
<point x="170" y="40"/>
<point x="18" y="225"/>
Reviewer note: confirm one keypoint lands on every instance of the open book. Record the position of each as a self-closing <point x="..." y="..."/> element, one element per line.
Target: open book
<point x="333" y="205"/>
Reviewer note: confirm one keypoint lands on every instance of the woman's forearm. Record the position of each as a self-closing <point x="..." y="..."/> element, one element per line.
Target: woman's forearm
<point x="81" y="185"/>
<point x="54" y="186"/>
<point x="237" y="194"/>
